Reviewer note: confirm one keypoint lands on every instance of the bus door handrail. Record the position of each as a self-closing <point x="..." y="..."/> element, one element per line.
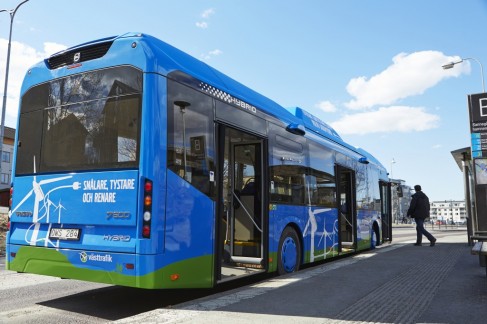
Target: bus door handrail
<point x="246" y="211"/>
<point x="344" y="215"/>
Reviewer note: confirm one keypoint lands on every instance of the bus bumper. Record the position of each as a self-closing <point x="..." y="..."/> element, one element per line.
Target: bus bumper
<point x="123" y="269"/>
<point x="103" y="267"/>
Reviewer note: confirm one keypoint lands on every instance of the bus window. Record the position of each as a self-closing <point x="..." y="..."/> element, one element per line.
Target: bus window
<point x="321" y="178"/>
<point x="363" y="188"/>
<point x="287" y="184"/>
<point x="321" y="189"/>
<point x="321" y="158"/>
<point x="190" y="135"/>
<point x="85" y="121"/>
<point x="288" y="170"/>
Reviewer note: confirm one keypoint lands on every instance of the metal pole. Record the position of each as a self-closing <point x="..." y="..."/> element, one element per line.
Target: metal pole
<point x="392" y="162"/>
<point x="183" y="111"/>
<point x="452" y="64"/>
<point x="451" y="206"/>
<point x="468" y="204"/>
<point x="4" y="105"/>
<point x="182" y="108"/>
<point x="481" y="70"/>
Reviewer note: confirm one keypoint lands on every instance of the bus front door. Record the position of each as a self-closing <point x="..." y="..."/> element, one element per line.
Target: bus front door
<point x="347" y="219"/>
<point x="242" y="210"/>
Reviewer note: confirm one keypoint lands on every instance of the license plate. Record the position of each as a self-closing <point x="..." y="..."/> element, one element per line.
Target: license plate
<point x="68" y="234"/>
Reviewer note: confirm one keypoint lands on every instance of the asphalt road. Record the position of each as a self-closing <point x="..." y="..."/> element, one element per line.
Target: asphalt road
<point x="26" y="298"/>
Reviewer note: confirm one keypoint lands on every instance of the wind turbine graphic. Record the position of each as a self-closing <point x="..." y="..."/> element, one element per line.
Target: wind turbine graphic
<point x="330" y="235"/>
<point x="314" y="227"/>
<point x="38" y="198"/>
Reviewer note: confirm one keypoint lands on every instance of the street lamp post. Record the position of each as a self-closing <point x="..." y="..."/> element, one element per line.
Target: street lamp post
<point x="392" y="162"/>
<point x="4" y="105"/>
<point x="451" y="207"/>
<point x="452" y="64"/>
<point x="466" y="176"/>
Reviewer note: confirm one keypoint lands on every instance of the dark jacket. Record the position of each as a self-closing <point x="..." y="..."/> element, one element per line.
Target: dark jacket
<point x="420" y="206"/>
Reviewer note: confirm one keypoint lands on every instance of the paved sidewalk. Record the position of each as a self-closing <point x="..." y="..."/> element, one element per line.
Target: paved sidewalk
<point x="398" y="283"/>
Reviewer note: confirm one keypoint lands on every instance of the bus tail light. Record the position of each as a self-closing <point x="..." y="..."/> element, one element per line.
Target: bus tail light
<point x="11" y="196"/>
<point x="147" y="216"/>
<point x="10" y="204"/>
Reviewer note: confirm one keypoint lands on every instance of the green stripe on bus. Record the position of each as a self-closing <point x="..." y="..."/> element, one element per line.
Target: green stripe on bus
<point x="195" y="272"/>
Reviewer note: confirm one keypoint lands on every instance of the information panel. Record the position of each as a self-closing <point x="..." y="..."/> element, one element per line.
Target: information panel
<point x="477" y="105"/>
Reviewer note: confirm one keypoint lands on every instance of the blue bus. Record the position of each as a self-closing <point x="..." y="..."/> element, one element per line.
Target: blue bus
<point x="139" y="165"/>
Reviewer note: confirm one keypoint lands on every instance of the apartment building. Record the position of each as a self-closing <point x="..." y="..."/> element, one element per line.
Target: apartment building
<point x="448" y="211"/>
<point x="7" y="157"/>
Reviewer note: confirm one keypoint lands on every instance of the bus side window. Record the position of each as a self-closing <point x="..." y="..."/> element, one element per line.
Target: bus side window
<point x="321" y="178"/>
<point x="190" y="136"/>
<point x="287" y="166"/>
<point x="288" y="184"/>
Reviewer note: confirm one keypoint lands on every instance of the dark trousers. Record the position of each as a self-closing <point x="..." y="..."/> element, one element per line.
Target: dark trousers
<point x="420" y="231"/>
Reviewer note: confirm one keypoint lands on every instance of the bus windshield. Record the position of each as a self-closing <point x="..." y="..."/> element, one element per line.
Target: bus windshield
<point x="86" y="121"/>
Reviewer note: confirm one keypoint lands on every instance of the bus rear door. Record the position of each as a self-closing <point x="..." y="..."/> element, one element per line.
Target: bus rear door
<point x="347" y="223"/>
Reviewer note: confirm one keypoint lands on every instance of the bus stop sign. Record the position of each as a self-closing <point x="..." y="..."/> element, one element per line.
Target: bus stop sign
<point x="477" y="106"/>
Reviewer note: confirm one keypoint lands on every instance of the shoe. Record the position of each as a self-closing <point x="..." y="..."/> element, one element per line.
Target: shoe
<point x="433" y="242"/>
<point x="417" y="244"/>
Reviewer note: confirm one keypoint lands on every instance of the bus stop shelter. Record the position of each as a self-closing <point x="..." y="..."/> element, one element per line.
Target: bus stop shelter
<point x="475" y="193"/>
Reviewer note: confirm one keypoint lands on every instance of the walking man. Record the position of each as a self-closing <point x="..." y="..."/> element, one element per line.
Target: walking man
<point x="419" y="209"/>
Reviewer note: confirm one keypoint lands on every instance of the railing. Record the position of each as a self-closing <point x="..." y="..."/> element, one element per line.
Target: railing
<point x="446" y="226"/>
<point x="432" y="226"/>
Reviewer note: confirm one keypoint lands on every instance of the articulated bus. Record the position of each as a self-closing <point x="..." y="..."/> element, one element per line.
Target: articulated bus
<point x="139" y="165"/>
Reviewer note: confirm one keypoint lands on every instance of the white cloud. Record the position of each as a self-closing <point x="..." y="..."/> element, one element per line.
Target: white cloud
<point x="326" y="106"/>
<point x="207" y="13"/>
<point x="211" y="54"/>
<point x="409" y="75"/>
<point x="387" y="119"/>
<point x="215" y="52"/>
<point x="52" y="48"/>
<point x="22" y="57"/>
<point x="202" y="25"/>
<point x="437" y="146"/>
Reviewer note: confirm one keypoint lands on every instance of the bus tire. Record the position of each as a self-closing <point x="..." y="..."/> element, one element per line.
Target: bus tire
<point x="289" y="252"/>
<point x="374" y="237"/>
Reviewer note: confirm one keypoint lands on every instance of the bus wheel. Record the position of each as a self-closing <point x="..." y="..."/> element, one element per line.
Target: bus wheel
<point x="374" y="238"/>
<point x="289" y="253"/>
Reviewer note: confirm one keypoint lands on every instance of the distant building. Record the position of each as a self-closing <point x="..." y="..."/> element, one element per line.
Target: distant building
<point x="7" y="157"/>
<point x="401" y="197"/>
<point x="448" y="211"/>
<point x="6" y="170"/>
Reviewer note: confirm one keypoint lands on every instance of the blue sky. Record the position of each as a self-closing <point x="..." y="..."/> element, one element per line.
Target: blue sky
<point x="370" y="68"/>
